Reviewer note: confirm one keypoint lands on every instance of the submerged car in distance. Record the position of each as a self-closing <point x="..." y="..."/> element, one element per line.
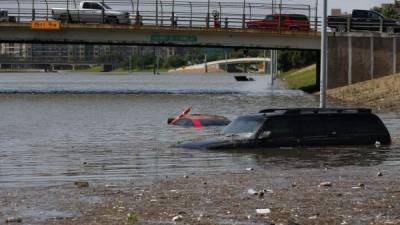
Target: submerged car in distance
<point x="292" y="22"/>
<point x="185" y="119"/>
<point x="311" y="127"/>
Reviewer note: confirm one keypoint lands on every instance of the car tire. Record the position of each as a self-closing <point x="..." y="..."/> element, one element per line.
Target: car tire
<point x="341" y="29"/>
<point x="112" y="20"/>
<point x="390" y="30"/>
<point x="63" y="18"/>
<point x="294" y="29"/>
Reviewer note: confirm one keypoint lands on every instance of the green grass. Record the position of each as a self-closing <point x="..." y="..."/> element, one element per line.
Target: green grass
<point x="304" y="79"/>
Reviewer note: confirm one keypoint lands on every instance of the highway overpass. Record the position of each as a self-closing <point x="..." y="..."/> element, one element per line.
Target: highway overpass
<point x="159" y="36"/>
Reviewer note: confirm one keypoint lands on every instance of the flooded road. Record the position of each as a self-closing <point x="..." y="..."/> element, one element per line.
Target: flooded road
<point x="110" y="128"/>
<point x="58" y="128"/>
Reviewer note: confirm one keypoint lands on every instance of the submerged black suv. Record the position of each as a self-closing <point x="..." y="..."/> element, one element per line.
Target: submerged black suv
<point x="300" y="128"/>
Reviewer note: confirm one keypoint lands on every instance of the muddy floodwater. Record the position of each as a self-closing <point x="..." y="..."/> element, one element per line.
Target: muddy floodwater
<point x="58" y="128"/>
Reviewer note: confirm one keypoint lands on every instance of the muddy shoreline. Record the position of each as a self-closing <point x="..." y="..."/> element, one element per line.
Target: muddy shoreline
<point x="355" y="195"/>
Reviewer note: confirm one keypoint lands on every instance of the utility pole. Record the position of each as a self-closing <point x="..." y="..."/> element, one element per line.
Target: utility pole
<point x="324" y="59"/>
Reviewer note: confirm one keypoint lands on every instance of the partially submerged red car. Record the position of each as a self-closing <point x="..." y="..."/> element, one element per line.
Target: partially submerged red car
<point x="198" y="120"/>
<point x="292" y="22"/>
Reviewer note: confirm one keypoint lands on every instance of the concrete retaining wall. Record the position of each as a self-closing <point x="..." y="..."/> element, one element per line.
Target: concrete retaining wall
<point x="357" y="57"/>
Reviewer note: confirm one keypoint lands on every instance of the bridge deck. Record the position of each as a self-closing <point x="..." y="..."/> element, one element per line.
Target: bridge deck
<point x="157" y="35"/>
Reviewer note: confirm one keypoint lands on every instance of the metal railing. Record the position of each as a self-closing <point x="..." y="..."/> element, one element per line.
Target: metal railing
<point x="171" y="13"/>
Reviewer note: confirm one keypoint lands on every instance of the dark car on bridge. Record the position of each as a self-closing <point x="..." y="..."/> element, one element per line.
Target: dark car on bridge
<point x="293" y="22"/>
<point x="274" y="128"/>
<point x="363" y="20"/>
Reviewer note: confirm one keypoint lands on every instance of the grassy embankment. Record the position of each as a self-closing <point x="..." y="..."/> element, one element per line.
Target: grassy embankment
<point x="303" y="79"/>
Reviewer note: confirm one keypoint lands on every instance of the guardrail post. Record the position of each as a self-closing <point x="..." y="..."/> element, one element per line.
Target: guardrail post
<point x="79" y="16"/>
<point x="19" y="11"/>
<point x="273" y="7"/>
<point x="250" y="11"/>
<point x="137" y="19"/>
<point x="244" y="15"/>
<point x="133" y="10"/>
<point x="156" y="12"/>
<point x="220" y="12"/>
<point x="208" y="15"/>
<point x="47" y="9"/>
<point x="348" y="24"/>
<point x="191" y="15"/>
<point x="280" y="17"/>
<point x="162" y="13"/>
<point x="173" y="14"/>
<point x="68" y="16"/>
<point x="33" y="10"/>
<point x="102" y="11"/>
<point x="316" y="16"/>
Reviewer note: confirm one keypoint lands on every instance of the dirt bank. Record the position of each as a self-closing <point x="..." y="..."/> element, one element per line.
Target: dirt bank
<point x="382" y="93"/>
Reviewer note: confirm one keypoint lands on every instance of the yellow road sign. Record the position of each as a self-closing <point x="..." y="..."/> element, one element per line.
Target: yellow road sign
<point x="45" y="25"/>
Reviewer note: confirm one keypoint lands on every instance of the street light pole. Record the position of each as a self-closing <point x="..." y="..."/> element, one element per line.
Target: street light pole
<point x="324" y="51"/>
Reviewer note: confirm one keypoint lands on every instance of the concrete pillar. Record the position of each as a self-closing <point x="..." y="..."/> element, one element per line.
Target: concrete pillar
<point x="372" y="57"/>
<point x="394" y="55"/>
<point x="350" y="65"/>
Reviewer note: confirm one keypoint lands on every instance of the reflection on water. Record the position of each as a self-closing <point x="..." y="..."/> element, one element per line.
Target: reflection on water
<point x="121" y="134"/>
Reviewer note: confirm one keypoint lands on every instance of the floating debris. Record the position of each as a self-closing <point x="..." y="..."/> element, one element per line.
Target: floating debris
<point x="14" y="220"/>
<point x="81" y="184"/>
<point x="325" y="184"/>
<point x="263" y="211"/>
<point x="177" y="218"/>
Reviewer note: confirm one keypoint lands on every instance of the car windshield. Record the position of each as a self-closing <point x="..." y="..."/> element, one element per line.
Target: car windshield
<point x="244" y="125"/>
<point x="106" y="6"/>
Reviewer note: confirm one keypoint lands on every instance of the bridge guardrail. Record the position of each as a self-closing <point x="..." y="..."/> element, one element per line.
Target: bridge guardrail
<point x="191" y="14"/>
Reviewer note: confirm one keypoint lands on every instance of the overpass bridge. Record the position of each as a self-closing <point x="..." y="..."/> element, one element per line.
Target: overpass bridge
<point x="162" y="23"/>
<point x="222" y="65"/>
<point x="159" y="36"/>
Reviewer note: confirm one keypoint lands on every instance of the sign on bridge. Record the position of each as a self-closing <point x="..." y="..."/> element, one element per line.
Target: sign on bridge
<point x="45" y="25"/>
<point x="173" y="38"/>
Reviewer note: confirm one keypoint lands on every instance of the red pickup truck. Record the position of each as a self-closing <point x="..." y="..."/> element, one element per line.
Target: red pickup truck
<point x="293" y="22"/>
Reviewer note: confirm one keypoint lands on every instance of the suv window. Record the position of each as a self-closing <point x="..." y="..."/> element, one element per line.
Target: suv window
<point x="360" y="14"/>
<point x="354" y="124"/>
<point x="269" y="17"/>
<point x="373" y="15"/>
<point x="312" y="126"/>
<point x="91" y="5"/>
<point x="280" y="127"/>
<point x="298" y="17"/>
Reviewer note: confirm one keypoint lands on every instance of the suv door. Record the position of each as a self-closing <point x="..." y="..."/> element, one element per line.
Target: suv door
<point x="283" y="132"/>
<point x="312" y="130"/>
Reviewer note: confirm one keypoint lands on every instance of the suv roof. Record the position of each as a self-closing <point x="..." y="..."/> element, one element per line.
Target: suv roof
<point x="286" y="111"/>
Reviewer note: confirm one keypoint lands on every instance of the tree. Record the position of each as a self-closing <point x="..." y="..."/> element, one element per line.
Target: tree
<point x="296" y="59"/>
<point x="388" y="10"/>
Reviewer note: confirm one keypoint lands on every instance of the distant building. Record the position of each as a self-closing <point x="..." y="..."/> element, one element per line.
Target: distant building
<point x="15" y="50"/>
<point x="336" y="12"/>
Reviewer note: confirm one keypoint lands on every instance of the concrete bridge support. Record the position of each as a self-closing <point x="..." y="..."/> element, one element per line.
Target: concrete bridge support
<point x="357" y="57"/>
